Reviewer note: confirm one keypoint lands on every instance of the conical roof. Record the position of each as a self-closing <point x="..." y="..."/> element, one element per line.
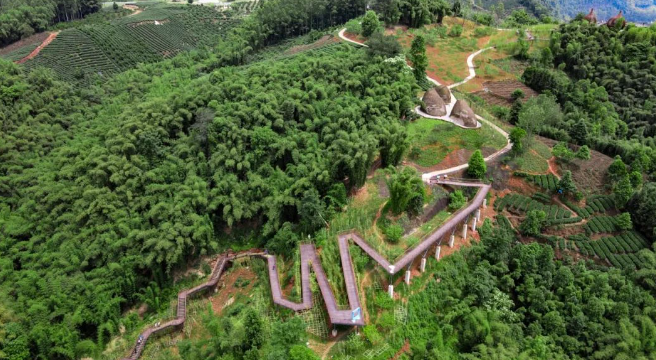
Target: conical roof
<point x="444" y="92"/>
<point x="463" y="112"/>
<point x="591" y="17"/>
<point x="612" y="21"/>
<point x="433" y="103"/>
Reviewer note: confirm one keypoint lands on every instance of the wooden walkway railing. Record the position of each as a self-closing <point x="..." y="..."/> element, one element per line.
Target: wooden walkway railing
<point x="309" y="258"/>
<point x="181" y="310"/>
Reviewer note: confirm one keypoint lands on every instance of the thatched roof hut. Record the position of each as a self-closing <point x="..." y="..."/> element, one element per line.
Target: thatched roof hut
<point x="591" y="17"/>
<point x="444" y="92"/>
<point x="464" y="113"/>
<point x="433" y="103"/>
<point x="612" y="21"/>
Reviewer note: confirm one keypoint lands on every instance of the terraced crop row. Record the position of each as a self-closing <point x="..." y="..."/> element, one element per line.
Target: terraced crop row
<point x="619" y="250"/>
<point x="74" y="55"/>
<point x="519" y="203"/>
<point x="594" y="204"/>
<point x="157" y="33"/>
<point x="19" y="53"/>
<point x="601" y="224"/>
<point x="600" y="203"/>
<point x="549" y="181"/>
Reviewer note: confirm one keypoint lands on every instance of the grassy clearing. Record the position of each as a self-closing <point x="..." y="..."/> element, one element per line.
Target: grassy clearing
<point x="428" y="227"/>
<point x="447" y="54"/>
<point x="436" y="139"/>
<point x="534" y="159"/>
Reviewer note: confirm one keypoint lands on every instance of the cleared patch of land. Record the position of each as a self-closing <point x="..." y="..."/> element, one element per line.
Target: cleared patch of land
<point x="433" y="140"/>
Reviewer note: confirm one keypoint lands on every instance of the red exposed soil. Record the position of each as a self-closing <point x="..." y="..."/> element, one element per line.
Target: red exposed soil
<point x="519" y="185"/>
<point x="34" y="39"/>
<point x="228" y="289"/>
<point x="553" y="166"/>
<point x="36" y="51"/>
<point x="403" y="350"/>
<point x="394" y="29"/>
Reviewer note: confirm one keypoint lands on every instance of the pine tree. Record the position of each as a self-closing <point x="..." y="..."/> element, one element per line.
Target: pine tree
<point x="477" y="167"/>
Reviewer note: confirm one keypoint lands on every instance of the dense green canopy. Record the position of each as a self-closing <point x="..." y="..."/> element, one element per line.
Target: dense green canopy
<point x="103" y="190"/>
<point x="22" y="18"/>
<point x="501" y="299"/>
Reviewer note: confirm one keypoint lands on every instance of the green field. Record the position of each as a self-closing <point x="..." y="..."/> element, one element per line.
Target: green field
<point x="161" y="31"/>
<point x="435" y="139"/>
<point x="534" y="159"/>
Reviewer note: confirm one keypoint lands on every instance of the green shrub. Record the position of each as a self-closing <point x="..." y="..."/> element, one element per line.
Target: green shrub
<point x="456" y="30"/>
<point x="393" y="233"/>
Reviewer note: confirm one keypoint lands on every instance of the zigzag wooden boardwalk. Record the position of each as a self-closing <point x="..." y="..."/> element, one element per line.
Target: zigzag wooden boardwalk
<point x="309" y="258"/>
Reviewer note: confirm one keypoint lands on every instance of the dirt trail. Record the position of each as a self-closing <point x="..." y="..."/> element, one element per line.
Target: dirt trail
<point x="36" y="51"/>
<point x="403" y="350"/>
<point x="378" y="215"/>
<point x="552" y="166"/>
<point x="135" y="9"/>
<point x="331" y="343"/>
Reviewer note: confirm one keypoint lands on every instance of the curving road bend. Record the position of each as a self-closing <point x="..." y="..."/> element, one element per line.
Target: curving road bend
<point x="472" y="74"/>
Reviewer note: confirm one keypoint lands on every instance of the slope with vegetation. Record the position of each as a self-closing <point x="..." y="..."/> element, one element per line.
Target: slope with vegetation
<point x="22" y="18"/>
<point x="108" y="190"/>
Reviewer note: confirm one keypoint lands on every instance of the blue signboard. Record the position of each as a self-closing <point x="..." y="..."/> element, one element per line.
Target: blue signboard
<point x="355" y="315"/>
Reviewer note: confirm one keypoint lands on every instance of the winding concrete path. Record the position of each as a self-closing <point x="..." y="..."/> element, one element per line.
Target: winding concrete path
<point x="449" y="107"/>
<point x="310" y="260"/>
<point x="472" y="68"/>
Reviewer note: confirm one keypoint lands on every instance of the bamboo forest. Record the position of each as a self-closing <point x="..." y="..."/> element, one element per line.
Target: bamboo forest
<point x="327" y="179"/>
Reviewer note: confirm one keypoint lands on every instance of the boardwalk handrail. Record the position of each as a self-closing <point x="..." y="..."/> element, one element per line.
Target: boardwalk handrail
<point x="181" y="308"/>
<point x="309" y="258"/>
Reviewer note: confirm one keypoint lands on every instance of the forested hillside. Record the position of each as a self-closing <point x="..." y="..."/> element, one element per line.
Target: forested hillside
<point x="505" y="300"/>
<point x="96" y="199"/>
<point x="22" y="18"/>
<point x="193" y="144"/>
<point x="107" y="188"/>
<point x="605" y="81"/>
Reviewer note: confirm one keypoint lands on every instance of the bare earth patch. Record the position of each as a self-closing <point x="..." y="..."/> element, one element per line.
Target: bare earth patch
<point x="228" y="289"/>
<point x="51" y="37"/>
<point x="34" y="39"/>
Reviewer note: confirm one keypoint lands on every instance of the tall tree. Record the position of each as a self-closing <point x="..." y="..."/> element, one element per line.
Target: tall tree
<point x="418" y="58"/>
<point x="370" y="23"/>
<point x="477" y="167"/>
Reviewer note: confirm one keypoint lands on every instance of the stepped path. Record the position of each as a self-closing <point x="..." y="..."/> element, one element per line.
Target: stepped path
<point x="310" y="260"/>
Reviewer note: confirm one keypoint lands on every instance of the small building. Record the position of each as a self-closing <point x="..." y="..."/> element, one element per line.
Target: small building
<point x="433" y="103"/>
<point x="444" y="93"/>
<point x="591" y="17"/>
<point x="461" y="111"/>
<point x="613" y="21"/>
